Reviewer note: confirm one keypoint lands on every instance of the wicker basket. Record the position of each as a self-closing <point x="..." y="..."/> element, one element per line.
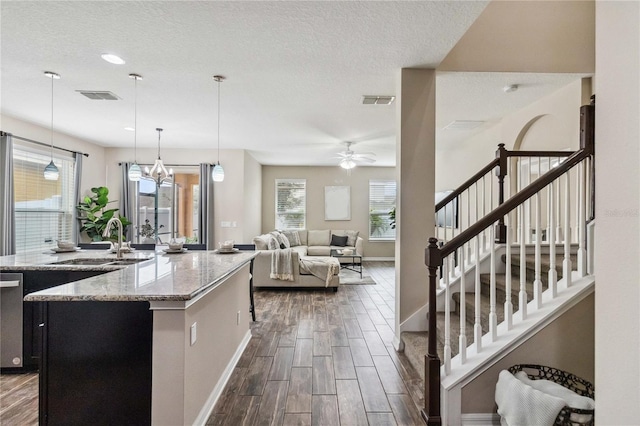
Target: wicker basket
<point x="569" y="381"/>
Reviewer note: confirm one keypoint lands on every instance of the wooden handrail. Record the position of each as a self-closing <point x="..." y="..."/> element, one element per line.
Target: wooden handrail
<point x="493" y="164"/>
<point x="473" y="179"/>
<point x="513" y="202"/>
<point x="539" y="153"/>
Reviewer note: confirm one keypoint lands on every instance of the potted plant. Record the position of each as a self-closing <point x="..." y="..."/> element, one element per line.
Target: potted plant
<point x="148" y="232"/>
<point x="94" y="215"/>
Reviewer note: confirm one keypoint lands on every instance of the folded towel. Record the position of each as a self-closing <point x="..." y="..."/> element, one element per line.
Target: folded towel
<point x="281" y="265"/>
<point x="324" y="269"/>
<point x="521" y="405"/>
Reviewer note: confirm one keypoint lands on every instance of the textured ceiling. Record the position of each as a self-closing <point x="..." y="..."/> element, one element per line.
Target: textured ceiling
<point x="295" y="71"/>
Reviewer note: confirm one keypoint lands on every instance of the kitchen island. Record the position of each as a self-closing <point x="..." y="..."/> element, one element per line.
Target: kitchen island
<point x="150" y="342"/>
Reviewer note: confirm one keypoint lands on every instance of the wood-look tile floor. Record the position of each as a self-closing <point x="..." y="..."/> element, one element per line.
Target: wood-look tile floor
<point x="316" y="358"/>
<point x="323" y="358"/>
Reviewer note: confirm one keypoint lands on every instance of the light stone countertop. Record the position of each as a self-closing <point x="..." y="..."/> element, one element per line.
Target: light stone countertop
<point x="158" y="277"/>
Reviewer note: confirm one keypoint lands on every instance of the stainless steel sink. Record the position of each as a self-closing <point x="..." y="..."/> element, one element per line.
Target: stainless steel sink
<point x="97" y="261"/>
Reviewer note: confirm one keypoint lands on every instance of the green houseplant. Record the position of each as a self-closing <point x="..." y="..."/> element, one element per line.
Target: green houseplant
<point x="94" y="215"/>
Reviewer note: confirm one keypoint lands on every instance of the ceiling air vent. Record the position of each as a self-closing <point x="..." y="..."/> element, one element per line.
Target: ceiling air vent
<point x="463" y="125"/>
<point x="99" y="95"/>
<point x="377" y="100"/>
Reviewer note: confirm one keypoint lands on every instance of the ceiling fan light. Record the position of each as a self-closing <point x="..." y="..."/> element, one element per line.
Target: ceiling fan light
<point x="51" y="172"/>
<point x="347" y="164"/>
<point x="218" y="173"/>
<point x="135" y="172"/>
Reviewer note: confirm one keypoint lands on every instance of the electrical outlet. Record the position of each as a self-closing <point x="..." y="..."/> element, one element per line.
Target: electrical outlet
<point x="238" y="318"/>
<point x="194" y="331"/>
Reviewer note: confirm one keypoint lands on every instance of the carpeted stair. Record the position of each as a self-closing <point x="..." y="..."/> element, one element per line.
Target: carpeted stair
<point x="415" y="343"/>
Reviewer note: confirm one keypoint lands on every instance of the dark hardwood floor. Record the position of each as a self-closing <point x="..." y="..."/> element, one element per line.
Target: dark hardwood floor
<point x="323" y="358"/>
<point x="316" y="358"/>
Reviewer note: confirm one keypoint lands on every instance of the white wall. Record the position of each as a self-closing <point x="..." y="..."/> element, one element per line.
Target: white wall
<point x="617" y="232"/>
<point x="252" y="220"/>
<point x="93" y="170"/>
<point x="319" y="177"/>
<point x="229" y="202"/>
<point x="558" y="129"/>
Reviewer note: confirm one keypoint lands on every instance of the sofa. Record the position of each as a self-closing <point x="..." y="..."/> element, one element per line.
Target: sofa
<point x="305" y="244"/>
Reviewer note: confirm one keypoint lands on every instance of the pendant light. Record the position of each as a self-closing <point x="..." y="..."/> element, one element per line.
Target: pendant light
<point x="159" y="172"/>
<point x="135" y="172"/>
<point x="51" y="171"/>
<point x="218" y="171"/>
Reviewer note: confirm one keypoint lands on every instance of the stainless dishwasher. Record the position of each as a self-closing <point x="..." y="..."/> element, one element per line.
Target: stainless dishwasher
<point x="11" y="288"/>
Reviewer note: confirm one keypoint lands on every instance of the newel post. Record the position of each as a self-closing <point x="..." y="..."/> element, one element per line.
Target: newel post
<point x="431" y="410"/>
<point x="501" y="172"/>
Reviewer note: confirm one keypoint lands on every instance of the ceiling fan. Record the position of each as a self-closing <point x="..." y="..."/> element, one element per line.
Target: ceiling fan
<point x="350" y="159"/>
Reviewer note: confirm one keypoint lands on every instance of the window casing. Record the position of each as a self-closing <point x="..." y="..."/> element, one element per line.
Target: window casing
<point x="382" y="199"/>
<point x="178" y="206"/>
<point x="291" y="203"/>
<point x="44" y="209"/>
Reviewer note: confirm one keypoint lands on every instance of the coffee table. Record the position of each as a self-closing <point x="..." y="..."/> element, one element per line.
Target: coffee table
<point x="350" y="266"/>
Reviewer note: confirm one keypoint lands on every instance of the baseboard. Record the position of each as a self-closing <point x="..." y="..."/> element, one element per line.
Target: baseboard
<point x="480" y="419"/>
<point x="378" y="259"/>
<point x="417" y="321"/>
<point x="207" y="408"/>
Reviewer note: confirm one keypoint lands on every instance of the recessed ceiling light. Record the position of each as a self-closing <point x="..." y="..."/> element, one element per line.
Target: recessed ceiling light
<point x="131" y="129"/>
<point x="510" y="88"/>
<point x="113" y="59"/>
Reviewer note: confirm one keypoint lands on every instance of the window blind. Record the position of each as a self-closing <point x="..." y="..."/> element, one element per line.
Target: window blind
<point x="291" y="203"/>
<point x="43" y="208"/>
<point x="382" y="199"/>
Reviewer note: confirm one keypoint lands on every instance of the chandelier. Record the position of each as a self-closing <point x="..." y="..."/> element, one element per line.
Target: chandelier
<point x="158" y="172"/>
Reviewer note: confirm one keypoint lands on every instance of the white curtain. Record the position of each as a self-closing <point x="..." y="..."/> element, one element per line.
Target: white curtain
<point x="205" y="216"/>
<point x="7" y="207"/>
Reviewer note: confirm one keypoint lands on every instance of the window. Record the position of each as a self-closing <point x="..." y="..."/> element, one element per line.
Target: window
<point x="177" y="204"/>
<point x="291" y="203"/>
<point x="382" y="199"/>
<point x="43" y="208"/>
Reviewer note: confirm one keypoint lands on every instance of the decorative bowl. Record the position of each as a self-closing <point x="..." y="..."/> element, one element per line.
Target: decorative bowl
<point x="66" y="244"/>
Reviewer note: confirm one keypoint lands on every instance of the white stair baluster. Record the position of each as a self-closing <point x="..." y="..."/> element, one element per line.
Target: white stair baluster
<point x="566" y="264"/>
<point x="508" y="305"/>
<point x="582" y="220"/>
<point x="553" y="273"/>
<point x="559" y="233"/>
<point x="548" y="192"/>
<point x="537" y="283"/>
<point x="447" y="319"/>
<point x="468" y="191"/>
<point x="484" y="213"/>
<point x="477" y="325"/>
<point x="462" y="340"/>
<point x="493" y="316"/>
<point x="523" y="271"/>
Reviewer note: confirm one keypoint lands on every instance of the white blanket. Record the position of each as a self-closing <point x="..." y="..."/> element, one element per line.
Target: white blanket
<point x="281" y="265"/>
<point x="321" y="268"/>
<point x="521" y="405"/>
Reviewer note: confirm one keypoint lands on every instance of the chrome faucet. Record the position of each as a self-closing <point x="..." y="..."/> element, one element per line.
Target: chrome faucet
<point x="107" y="231"/>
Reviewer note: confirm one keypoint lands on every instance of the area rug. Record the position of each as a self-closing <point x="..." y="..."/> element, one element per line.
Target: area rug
<point x="353" y="278"/>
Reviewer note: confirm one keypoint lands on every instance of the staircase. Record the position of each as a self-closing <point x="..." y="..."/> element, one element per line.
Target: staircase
<point x="483" y="304"/>
<point x="415" y="343"/>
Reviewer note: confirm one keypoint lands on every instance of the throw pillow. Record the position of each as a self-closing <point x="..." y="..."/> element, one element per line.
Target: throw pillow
<point x="352" y="237"/>
<point x="262" y="241"/>
<point x="283" y="240"/>
<point x="339" y="241"/>
<point x="293" y="237"/>
<point x="272" y="243"/>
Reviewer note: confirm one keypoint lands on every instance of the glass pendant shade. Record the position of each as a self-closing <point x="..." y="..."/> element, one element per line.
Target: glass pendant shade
<point x="347" y="164"/>
<point x="51" y="172"/>
<point x="135" y="172"/>
<point x="218" y="173"/>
